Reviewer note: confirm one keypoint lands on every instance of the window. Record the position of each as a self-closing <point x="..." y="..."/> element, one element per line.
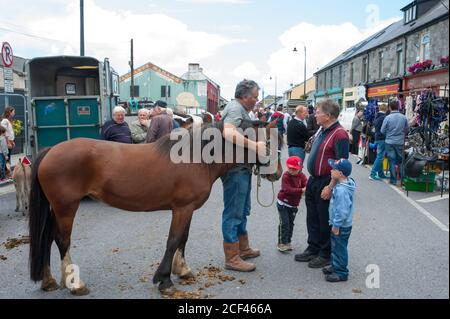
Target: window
<point x="340" y="76"/>
<point x="411" y="14"/>
<point x="331" y="78"/>
<point x="351" y="74"/>
<point x="364" y="70"/>
<point x="425" y="47"/>
<point x="380" y="64"/>
<point x="325" y="80"/>
<point x="400" y="69"/>
<point x="165" y="89"/>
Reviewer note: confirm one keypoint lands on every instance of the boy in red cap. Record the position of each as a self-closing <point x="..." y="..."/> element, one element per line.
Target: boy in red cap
<point x="293" y="185"/>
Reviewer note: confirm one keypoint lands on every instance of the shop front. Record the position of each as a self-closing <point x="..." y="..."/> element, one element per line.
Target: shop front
<point x="436" y="80"/>
<point x="353" y="95"/>
<point x="334" y="94"/>
<point x="384" y="91"/>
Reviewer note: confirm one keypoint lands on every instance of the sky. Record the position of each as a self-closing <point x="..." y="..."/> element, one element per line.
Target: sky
<point x="230" y="39"/>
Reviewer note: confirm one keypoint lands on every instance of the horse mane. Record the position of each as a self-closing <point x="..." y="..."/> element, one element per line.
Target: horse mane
<point x="165" y="144"/>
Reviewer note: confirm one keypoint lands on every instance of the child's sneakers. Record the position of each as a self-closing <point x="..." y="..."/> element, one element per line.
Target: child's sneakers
<point x="284" y="248"/>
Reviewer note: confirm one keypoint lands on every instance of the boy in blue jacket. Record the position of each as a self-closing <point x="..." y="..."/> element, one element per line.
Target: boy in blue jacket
<point x="341" y="214"/>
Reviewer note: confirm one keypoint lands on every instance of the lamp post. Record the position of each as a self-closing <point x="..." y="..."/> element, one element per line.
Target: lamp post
<point x="304" y="81"/>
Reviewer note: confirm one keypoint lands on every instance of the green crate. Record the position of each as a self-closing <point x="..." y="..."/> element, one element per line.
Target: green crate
<point x="430" y="176"/>
<point x="415" y="186"/>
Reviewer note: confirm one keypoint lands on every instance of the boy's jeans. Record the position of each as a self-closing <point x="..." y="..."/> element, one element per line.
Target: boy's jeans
<point x="297" y="151"/>
<point x="237" y="187"/>
<point x="395" y="156"/>
<point x="339" y="252"/>
<point x="378" y="164"/>
<point x="2" y="166"/>
<point x="286" y="226"/>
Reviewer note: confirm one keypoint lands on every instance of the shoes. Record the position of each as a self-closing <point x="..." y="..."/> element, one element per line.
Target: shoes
<point x="327" y="270"/>
<point x="233" y="261"/>
<point x="333" y="277"/>
<point x="319" y="262"/>
<point x="284" y="247"/>
<point x="245" y="252"/>
<point x="374" y="178"/>
<point x="306" y="256"/>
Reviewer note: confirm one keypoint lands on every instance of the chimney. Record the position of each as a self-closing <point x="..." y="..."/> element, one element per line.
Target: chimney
<point x="194" y="67"/>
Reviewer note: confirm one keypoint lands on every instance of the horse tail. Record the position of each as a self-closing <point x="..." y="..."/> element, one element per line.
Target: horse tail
<point x="40" y="224"/>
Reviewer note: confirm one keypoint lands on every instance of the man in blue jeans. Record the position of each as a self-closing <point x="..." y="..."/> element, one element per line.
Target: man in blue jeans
<point x="377" y="172"/>
<point x="237" y="182"/>
<point x="394" y="127"/>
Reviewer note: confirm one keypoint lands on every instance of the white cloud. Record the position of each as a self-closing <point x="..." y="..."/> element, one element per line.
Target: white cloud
<point x="323" y="42"/>
<point x="246" y="70"/>
<point x="158" y="38"/>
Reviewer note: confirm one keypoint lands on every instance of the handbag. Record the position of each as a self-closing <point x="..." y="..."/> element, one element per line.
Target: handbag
<point x="310" y="142"/>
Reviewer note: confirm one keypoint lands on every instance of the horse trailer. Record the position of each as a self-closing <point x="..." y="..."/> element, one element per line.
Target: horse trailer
<point x="68" y="97"/>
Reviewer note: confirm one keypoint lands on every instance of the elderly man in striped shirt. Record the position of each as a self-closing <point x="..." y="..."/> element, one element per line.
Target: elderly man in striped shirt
<point x="331" y="142"/>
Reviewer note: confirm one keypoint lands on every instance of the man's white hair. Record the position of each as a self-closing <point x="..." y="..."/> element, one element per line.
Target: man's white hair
<point x="144" y="110"/>
<point x="118" y="109"/>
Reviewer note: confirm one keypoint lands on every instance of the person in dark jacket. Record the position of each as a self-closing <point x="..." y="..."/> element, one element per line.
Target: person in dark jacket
<point x="297" y="133"/>
<point x="293" y="185"/>
<point x="377" y="172"/>
<point x="161" y="124"/>
<point x="117" y="130"/>
<point x="311" y="123"/>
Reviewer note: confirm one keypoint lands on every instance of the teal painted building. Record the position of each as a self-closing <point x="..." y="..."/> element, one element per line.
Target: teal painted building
<point x="193" y="93"/>
<point x="152" y="83"/>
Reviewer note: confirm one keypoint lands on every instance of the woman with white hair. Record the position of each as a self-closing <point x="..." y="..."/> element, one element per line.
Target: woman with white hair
<point x="139" y="128"/>
<point x="117" y="130"/>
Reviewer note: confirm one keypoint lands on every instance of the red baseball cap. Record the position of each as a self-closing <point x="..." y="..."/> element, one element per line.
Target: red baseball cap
<point x="294" y="162"/>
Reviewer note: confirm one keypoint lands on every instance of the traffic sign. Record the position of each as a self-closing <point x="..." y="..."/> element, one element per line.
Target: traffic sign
<point x="7" y="55"/>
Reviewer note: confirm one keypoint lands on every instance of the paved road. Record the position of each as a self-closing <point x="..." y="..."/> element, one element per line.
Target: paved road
<point x="118" y="251"/>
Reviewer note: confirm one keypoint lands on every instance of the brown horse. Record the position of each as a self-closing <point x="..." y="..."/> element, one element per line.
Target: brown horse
<point x="69" y="171"/>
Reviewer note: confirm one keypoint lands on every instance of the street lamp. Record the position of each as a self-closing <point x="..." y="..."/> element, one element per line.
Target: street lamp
<point x="304" y="81"/>
<point x="275" y="98"/>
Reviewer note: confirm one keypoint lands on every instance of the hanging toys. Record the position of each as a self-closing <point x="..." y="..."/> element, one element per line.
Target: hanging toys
<point x="370" y="111"/>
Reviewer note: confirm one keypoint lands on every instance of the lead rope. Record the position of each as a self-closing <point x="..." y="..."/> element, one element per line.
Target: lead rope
<point x="258" y="186"/>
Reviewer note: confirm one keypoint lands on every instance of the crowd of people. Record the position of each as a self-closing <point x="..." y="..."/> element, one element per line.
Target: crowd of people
<point x="388" y="131"/>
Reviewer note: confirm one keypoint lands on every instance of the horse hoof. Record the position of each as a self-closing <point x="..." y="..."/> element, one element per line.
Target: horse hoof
<point x="82" y="291"/>
<point x="165" y="286"/>
<point x="50" y="285"/>
<point x="187" y="275"/>
<point x="168" y="292"/>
